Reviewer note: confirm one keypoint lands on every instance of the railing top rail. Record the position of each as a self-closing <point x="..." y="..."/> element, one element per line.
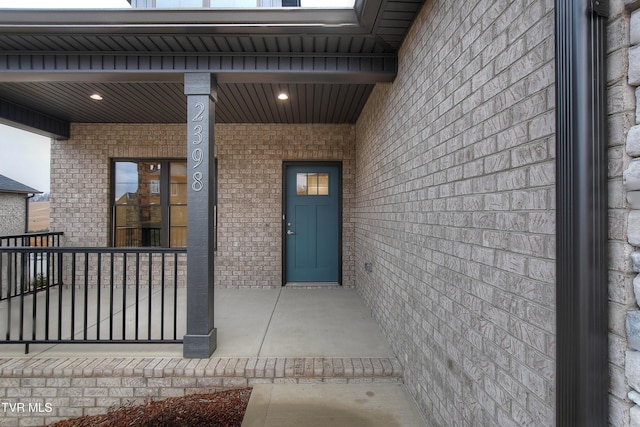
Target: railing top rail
<point x="92" y="250"/>
<point x="36" y="234"/>
<point x="91" y="294"/>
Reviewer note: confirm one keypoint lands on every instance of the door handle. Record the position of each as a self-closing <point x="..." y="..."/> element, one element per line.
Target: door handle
<point x="290" y="233"/>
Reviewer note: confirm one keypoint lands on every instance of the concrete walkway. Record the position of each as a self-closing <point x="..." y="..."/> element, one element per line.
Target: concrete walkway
<point x="313" y="323"/>
<point x="336" y="405"/>
<point x="315" y="357"/>
<point x="293" y="322"/>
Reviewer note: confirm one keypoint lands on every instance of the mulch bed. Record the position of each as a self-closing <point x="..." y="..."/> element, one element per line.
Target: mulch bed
<point x="221" y="409"/>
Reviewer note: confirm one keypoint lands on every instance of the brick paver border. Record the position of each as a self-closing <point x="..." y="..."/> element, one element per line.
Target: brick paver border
<point x="51" y="389"/>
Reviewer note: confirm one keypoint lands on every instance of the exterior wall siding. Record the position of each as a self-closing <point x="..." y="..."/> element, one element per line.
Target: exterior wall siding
<point x="250" y="161"/>
<point x="250" y="187"/>
<point x="12" y="213"/>
<point x="455" y="211"/>
<point x="80" y="173"/>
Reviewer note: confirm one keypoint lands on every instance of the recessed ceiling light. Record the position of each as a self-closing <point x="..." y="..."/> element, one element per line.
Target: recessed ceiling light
<point x="96" y="97"/>
<point x="283" y="96"/>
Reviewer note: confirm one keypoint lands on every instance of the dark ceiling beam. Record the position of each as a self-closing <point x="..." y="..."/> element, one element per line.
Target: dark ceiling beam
<point x="24" y="118"/>
<point x="323" y="68"/>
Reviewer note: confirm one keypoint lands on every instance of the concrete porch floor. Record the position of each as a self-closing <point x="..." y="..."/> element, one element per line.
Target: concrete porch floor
<point x="325" y="352"/>
<point x="285" y="322"/>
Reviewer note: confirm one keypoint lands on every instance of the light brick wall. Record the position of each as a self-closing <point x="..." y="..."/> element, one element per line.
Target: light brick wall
<point x="75" y="387"/>
<point x="250" y="160"/>
<point x="455" y="210"/>
<point x="250" y="187"/>
<point x="12" y="213"/>
<point x="80" y="173"/>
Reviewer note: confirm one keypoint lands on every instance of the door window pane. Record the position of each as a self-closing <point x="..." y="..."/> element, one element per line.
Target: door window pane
<point x="301" y="186"/>
<point x="312" y="184"/>
<point x="323" y="184"/>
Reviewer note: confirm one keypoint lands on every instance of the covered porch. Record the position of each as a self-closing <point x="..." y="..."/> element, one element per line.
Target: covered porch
<point x="106" y="331"/>
<point x="308" y="353"/>
<point x="460" y="152"/>
<point x="203" y="100"/>
<point x="293" y="322"/>
<point x="57" y="301"/>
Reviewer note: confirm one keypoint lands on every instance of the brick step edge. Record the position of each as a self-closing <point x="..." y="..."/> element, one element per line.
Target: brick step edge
<point x="306" y="369"/>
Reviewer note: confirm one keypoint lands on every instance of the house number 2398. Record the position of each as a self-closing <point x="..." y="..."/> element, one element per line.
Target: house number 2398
<point x="197" y="154"/>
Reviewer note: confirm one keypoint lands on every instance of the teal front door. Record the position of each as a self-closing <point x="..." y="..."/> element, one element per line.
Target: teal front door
<point x="312" y="223"/>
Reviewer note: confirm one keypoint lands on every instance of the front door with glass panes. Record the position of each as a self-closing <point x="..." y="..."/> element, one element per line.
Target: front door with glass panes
<point x="149" y="203"/>
<point x="312" y="223"/>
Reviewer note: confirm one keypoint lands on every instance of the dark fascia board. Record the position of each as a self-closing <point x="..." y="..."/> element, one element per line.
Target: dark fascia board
<point x="24" y="118"/>
<point x="237" y="77"/>
<point x="20" y="192"/>
<point x="183" y="21"/>
<point x="327" y="68"/>
<point x="360" y="20"/>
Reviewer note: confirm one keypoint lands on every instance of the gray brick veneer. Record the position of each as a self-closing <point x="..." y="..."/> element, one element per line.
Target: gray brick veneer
<point x="60" y="388"/>
<point x="455" y="211"/>
<point x="250" y="161"/>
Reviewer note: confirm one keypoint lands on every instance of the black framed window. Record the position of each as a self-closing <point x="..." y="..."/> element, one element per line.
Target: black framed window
<point x="149" y="204"/>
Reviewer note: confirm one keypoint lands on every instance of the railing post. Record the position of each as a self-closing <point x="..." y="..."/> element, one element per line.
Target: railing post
<point x="59" y="314"/>
<point x="200" y="340"/>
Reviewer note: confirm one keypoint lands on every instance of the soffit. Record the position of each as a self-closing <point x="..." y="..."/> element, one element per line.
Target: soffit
<point x="193" y="43"/>
<point x="165" y="102"/>
<point x="329" y="61"/>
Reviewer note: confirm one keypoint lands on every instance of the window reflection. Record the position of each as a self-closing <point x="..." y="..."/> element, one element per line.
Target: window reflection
<point x="312" y="184"/>
<point x="150" y="203"/>
<point x="178" y="204"/>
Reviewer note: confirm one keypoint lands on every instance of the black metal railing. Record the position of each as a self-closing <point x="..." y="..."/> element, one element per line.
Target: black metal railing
<point x="29" y="271"/>
<point x="48" y="239"/>
<point x="91" y="295"/>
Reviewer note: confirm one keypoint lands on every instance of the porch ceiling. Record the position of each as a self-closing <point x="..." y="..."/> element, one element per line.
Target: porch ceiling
<point x="165" y="102"/>
<point x="328" y="61"/>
